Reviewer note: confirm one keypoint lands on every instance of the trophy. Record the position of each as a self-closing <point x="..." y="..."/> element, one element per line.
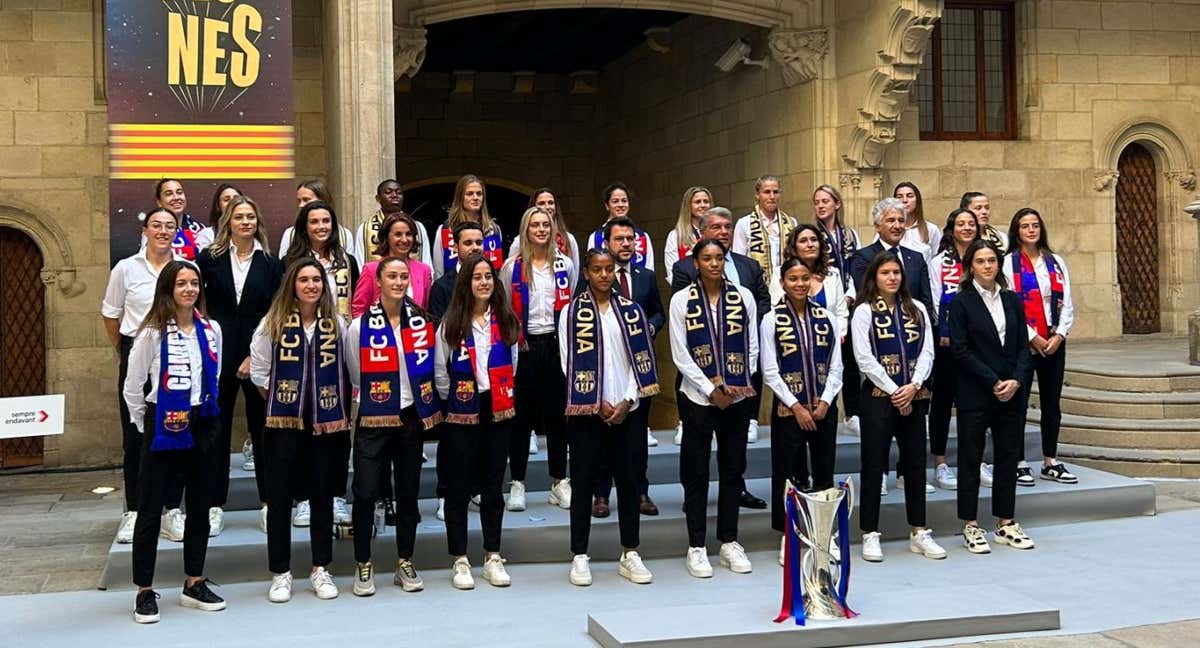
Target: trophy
<point x="815" y="582"/>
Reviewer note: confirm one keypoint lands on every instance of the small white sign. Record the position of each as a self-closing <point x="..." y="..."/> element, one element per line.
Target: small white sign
<point x="26" y="416"/>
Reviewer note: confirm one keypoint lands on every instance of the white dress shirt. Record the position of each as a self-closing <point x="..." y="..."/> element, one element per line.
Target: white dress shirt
<point x="145" y="363"/>
<point x="835" y="301"/>
<point x="354" y="365"/>
<point x="912" y="239"/>
<point x="696" y="386"/>
<point x="241" y="268"/>
<point x="541" y="291"/>
<point x="670" y="253"/>
<point x="770" y="364"/>
<point x="130" y="292"/>
<point x="741" y="245"/>
<point x="617" y="380"/>
<point x="1066" y="314"/>
<point x="262" y="353"/>
<point x="868" y="364"/>
<point x="991" y="299"/>
<point x="482" y="333"/>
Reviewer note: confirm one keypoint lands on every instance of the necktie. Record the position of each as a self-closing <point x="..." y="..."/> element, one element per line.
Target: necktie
<point x="625" y="283"/>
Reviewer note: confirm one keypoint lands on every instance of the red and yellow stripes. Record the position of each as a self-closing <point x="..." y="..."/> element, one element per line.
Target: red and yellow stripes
<point x="201" y="151"/>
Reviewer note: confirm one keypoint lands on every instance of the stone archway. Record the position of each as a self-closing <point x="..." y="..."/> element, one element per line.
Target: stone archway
<point x="1137" y="240"/>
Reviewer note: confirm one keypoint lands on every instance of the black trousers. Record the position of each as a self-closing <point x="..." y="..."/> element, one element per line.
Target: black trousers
<point x="595" y="444"/>
<point x="199" y="466"/>
<point x="791" y="448"/>
<point x="375" y="451"/>
<point x="256" y="419"/>
<point x="1007" y="422"/>
<point x="851" y="377"/>
<point x="638" y="419"/>
<point x="317" y="461"/>
<point x="131" y="444"/>
<point x="474" y="454"/>
<point x="945" y="388"/>
<point x="1049" y="371"/>
<point x="541" y="393"/>
<point x="881" y="422"/>
<point x="700" y="422"/>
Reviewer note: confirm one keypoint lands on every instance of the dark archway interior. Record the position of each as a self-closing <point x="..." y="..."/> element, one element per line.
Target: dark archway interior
<point x="429" y="204"/>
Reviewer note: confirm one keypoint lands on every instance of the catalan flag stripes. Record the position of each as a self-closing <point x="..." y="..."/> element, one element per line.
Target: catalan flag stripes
<point x="194" y="151"/>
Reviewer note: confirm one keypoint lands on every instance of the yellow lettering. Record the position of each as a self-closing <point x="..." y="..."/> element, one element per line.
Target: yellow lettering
<point x="213" y="52"/>
<point x="182" y="48"/>
<point x="243" y="65"/>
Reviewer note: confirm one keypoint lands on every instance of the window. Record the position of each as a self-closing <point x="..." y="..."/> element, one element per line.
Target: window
<point x="967" y="85"/>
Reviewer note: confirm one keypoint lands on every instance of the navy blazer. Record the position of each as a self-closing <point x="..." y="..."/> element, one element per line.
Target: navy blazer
<point x="916" y="271"/>
<point x="683" y="273"/>
<point x="643" y="290"/>
<point x="982" y="361"/>
<point x="440" y="293"/>
<point x="238" y="319"/>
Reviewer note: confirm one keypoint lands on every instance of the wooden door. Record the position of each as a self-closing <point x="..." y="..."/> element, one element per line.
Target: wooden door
<point x="22" y="336"/>
<point x="1137" y="241"/>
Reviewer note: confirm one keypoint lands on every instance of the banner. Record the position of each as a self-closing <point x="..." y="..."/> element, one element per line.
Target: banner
<point x="199" y="91"/>
<point x="26" y="416"/>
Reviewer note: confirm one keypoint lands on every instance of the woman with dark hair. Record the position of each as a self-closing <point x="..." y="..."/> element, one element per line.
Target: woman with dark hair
<point x="713" y="327"/>
<point x="476" y="362"/>
<point x="297" y="363"/>
<point x="399" y="238"/>
<point x="564" y="240"/>
<point x="317" y="235"/>
<point x="191" y="235"/>
<point x="240" y="280"/>
<point x="221" y="197"/>
<point x="990" y="345"/>
<point x="682" y="237"/>
<point x="469" y="206"/>
<point x="802" y="365"/>
<point x="1040" y="278"/>
<point x="617" y="201"/>
<point x="919" y="234"/>
<point x="893" y="345"/>
<point x="825" y="280"/>
<point x="945" y="277"/>
<point x="981" y="206"/>
<point x="178" y="353"/>
<point x="306" y="192"/>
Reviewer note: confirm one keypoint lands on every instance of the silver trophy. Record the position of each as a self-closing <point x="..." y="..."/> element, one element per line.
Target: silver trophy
<point x="820" y="570"/>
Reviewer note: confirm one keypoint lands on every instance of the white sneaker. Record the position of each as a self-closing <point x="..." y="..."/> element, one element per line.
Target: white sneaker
<point x="216" y="521"/>
<point x="441" y="510"/>
<point x="262" y="519"/>
<point x="125" y="531"/>
<point x="871" y="551"/>
<point x="248" y="456"/>
<point x="533" y="444"/>
<point x="852" y="426"/>
<point x="633" y="570"/>
<point x="985" y="475"/>
<point x="171" y="526"/>
<point x="461" y="577"/>
<point x="341" y="514"/>
<point x="944" y="476"/>
<point x="560" y="494"/>
<point x="322" y="584"/>
<point x="679" y="433"/>
<point x="883" y="487"/>
<point x="581" y="571"/>
<point x="494" y="572"/>
<point x="733" y="556"/>
<point x="752" y="432"/>
<point x="697" y="563"/>
<point x="516" y="497"/>
<point x="651" y="440"/>
<point x="281" y="588"/>
<point x="922" y="542"/>
<point x="303" y="516"/>
<point x="364" y="579"/>
<point x="975" y="539"/>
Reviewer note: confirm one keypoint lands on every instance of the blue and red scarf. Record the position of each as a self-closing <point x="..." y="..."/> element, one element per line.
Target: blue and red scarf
<point x="952" y="274"/>
<point x="492" y="250"/>
<point x="184" y="244"/>
<point x="804" y="351"/>
<point x="1025" y="284"/>
<point x="641" y="245"/>
<point x="379" y="359"/>
<point x="463" y="408"/>
<point x="305" y="374"/>
<point x="685" y="251"/>
<point x="173" y="411"/>
<point x="521" y="285"/>
<point x="587" y="360"/>
<point x="841" y="248"/>
<point x="720" y="348"/>
<point x="896" y="341"/>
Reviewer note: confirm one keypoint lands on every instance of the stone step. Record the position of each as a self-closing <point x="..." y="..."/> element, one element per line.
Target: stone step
<point x="1160" y="434"/>
<point x="1136" y="380"/>
<point x="1084" y="401"/>
<point x="542" y="533"/>
<point x="1135" y="462"/>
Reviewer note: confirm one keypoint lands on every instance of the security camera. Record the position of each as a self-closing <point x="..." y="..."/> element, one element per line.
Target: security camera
<point x="738" y="52"/>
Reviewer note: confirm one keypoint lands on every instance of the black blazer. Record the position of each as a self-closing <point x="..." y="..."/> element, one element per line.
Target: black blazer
<point x="238" y="319"/>
<point x="982" y="360"/>
<point x="643" y="290"/>
<point x="440" y="293"/>
<point x="683" y="273"/>
<point x="915" y="270"/>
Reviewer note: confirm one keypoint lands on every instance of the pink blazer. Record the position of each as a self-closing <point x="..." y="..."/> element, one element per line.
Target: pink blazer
<point x="367" y="291"/>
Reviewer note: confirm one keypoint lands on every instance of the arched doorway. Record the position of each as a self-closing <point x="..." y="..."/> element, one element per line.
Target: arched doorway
<point x="22" y="335"/>
<point x="428" y="202"/>
<point x="1137" y="240"/>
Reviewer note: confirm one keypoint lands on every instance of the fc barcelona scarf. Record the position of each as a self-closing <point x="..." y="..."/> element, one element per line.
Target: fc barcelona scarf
<point x="184" y="244"/>
<point x="521" y="287"/>
<point x="720" y="348"/>
<point x="803" y="351"/>
<point x="841" y="248"/>
<point x="338" y="273"/>
<point x="379" y="402"/>
<point x="641" y="245"/>
<point x="304" y="374"/>
<point x="463" y="408"/>
<point x="172" y="412"/>
<point x="370" y="238"/>
<point x="896" y="341"/>
<point x="491" y="247"/>
<point x="952" y="273"/>
<point x="1025" y="283"/>
<point x="585" y="364"/>
<point x="685" y="251"/>
<point x="992" y="235"/>
<point x="759" y="247"/>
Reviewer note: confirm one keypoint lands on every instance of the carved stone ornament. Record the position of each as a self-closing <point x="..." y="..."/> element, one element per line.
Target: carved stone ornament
<point x="67" y="280"/>
<point x="852" y="180"/>
<point x="799" y="52"/>
<point x="1103" y="179"/>
<point x="408" y="50"/>
<point x="1186" y="179"/>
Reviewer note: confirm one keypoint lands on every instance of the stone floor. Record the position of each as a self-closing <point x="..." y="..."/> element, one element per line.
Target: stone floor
<point x="1136" y="355"/>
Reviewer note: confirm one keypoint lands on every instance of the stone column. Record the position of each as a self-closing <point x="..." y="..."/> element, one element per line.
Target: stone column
<point x="360" y="114"/>
<point x="1193" y="325"/>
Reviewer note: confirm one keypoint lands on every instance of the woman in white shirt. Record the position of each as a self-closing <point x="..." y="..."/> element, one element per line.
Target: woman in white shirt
<point x="825" y="281"/>
<point x="1040" y="278"/>
<point x="564" y="240"/>
<point x="317" y="236"/>
<point x="476" y="365"/>
<point x="311" y="191"/>
<point x="893" y="345"/>
<point x="177" y="351"/>
<point x="919" y="234"/>
<point x="681" y="238"/>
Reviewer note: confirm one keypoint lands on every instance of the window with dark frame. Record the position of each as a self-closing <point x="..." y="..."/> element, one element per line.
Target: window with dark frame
<point x="966" y="89"/>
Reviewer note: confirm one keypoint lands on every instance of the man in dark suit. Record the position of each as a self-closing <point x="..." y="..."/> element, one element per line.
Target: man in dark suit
<point x="889" y="223"/>
<point x="717" y="223"/>
<point x="468" y="238"/>
<point x="641" y="286"/>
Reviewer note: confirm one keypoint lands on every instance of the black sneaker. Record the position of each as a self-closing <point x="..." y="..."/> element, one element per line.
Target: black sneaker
<point x="1024" y="476"/>
<point x="145" y="608"/>
<point x="200" y="597"/>
<point x="1059" y="473"/>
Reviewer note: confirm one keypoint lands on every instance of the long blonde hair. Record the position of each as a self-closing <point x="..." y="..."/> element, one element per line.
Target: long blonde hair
<point x="285" y="302"/>
<point x="224" y="239"/>
<point x="684" y="233"/>
<point x="459" y="215"/>
<point x="526" y="246"/>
